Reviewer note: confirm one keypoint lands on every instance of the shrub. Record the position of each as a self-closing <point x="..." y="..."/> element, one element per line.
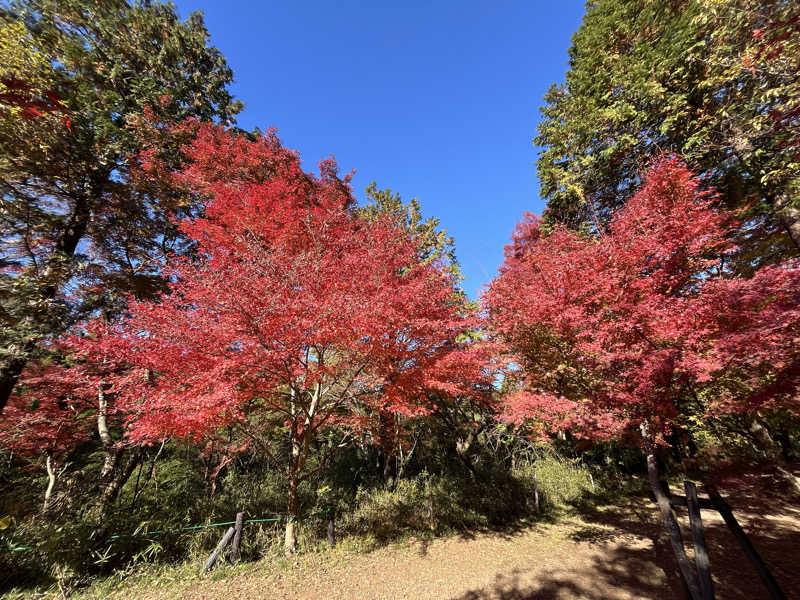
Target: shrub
<point x="560" y="481"/>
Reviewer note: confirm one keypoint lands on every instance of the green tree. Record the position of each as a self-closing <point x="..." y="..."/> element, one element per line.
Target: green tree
<point x="648" y="77"/>
<point x="434" y="243"/>
<point x="75" y="233"/>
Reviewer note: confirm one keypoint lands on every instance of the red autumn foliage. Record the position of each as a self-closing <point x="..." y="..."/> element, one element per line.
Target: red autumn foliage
<point x="20" y="95"/>
<point x="295" y="313"/>
<point x="56" y="404"/>
<point x="635" y="324"/>
<point x="63" y="402"/>
<point x="48" y="418"/>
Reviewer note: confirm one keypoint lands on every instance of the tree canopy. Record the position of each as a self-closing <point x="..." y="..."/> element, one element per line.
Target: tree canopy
<point x="691" y="77"/>
<point x="77" y="234"/>
<point x="646" y="323"/>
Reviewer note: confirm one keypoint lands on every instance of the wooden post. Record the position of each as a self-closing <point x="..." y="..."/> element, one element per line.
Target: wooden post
<point x="700" y="552"/>
<point x="331" y="531"/>
<point x="535" y="492"/>
<point x="237" y="538"/>
<point x="218" y="550"/>
<point x="724" y="509"/>
<point x="670" y="523"/>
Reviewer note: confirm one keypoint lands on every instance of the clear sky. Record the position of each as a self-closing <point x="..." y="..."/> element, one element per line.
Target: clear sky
<point x="436" y="100"/>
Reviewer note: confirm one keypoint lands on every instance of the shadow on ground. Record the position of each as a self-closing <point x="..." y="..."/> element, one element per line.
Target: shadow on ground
<point x="765" y="506"/>
<point x="625" y="572"/>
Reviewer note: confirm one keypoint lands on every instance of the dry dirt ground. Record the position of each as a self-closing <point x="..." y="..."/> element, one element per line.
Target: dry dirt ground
<point x="609" y="552"/>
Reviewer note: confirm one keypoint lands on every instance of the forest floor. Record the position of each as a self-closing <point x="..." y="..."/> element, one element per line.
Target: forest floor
<point x="595" y="552"/>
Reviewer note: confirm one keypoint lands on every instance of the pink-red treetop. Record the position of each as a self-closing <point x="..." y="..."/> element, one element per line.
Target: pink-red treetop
<point x="296" y="313"/>
<point x="632" y="325"/>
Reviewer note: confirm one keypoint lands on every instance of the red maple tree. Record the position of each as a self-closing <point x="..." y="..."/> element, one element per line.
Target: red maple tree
<point x="47" y="418"/>
<point x="59" y="402"/>
<point x="627" y="326"/>
<point x="296" y="319"/>
<point x="624" y="331"/>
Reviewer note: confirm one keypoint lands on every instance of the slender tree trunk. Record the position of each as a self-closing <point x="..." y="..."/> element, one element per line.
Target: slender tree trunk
<point x="114" y="481"/>
<point x="115" y="472"/>
<point x="290" y="539"/>
<point x="113" y="453"/>
<point x="670" y="522"/>
<point x="102" y="415"/>
<point x="786" y="443"/>
<point x="10" y="372"/>
<point x="405" y="459"/>
<point x="110" y="462"/>
<point x="389" y="470"/>
<point x="301" y="445"/>
<point x="761" y="434"/>
<point x="150" y="475"/>
<point x="119" y="478"/>
<point x="51" y="483"/>
<point x="463" y="448"/>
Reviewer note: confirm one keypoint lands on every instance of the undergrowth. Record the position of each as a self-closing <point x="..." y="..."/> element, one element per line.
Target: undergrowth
<point x="424" y="505"/>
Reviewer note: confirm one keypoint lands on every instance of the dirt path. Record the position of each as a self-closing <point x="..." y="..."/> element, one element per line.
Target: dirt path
<point x="613" y="552"/>
<point x="547" y="561"/>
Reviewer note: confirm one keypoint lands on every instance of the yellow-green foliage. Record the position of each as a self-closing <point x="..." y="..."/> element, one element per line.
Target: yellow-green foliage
<point x="560" y="481"/>
<point x="434" y="503"/>
<point x="387" y="513"/>
<point x="18" y="57"/>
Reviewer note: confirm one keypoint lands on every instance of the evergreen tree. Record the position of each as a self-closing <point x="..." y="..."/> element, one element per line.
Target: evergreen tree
<point x="75" y="233"/>
<point x="704" y="79"/>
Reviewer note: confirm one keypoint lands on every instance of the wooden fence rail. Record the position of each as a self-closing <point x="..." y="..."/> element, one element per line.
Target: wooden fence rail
<point x="715" y="502"/>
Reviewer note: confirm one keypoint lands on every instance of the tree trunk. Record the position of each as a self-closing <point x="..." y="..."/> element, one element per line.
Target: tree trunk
<point x="112" y="453"/>
<point x="463" y="446"/>
<point x="789" y="217"/>
<point x="115" y="473"/>
<point x="110" y="463"/>
<point x="389" y="469"/>
<point x="102" y="415"/>
<point x="51" y="483"/>
<point x="119" y="477"/>
<point x="115" y="479"/>
<point x="10" y="372"/>
<point x="405" y="459"/>
<point x="331" y="527"/>
<point x="763" y="438"/>
<point x="786" y="444"/>
<point x="671" y="524"/>
<point x="290" y="539"/>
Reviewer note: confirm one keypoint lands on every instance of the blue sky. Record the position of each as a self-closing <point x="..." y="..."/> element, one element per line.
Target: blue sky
<point x="436" y="100"/>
